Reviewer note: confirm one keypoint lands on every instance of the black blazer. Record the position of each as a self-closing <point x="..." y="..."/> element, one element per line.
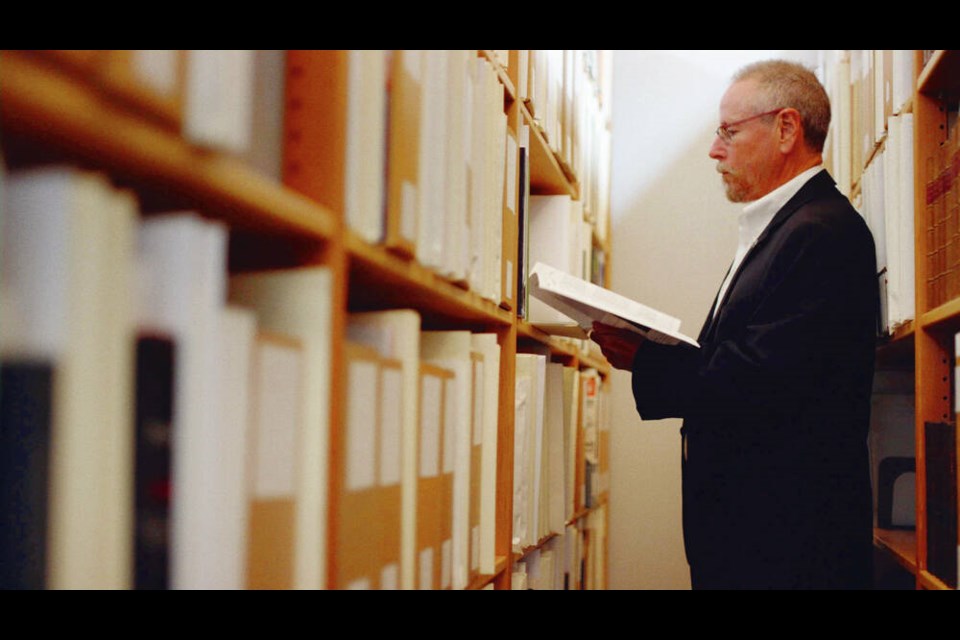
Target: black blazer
<point x="776" y="406"/>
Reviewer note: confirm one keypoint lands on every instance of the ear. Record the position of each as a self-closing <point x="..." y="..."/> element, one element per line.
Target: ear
<point x="790" y="129"/>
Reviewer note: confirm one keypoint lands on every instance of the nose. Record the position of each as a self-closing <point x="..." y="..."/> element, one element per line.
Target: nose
<point x="717" y="150"/>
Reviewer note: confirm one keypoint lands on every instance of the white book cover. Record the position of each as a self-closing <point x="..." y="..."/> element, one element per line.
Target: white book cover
<point x="478" y="97"/>
<point x="183" y="279"/>
<point x="157" y="68"/>
<point x="571" y="419"/>
<point x="907" y="221"/>
<point x="583" y="303"/>
<point x="67" y="248"/>
<point x="520" y="489"/>
<point x="536" y="444"/>
<point x="276" y="436"/>
<point x="554" y="453"/>
<point x="264" y="154"/>
<point x="457" y="230"/>
<point x="433" y="160"/>
<point x="887" y="190"/>
<point x="296" y="302"/>
<point x="219" y="98"/>
<point x="551" y="240"/>
<point x="396" y="334"/>
<point x="228" y="520"/>
<point x="451" y="350"/>
<point x="366" y="144"/>
<point x="487" y="344"/>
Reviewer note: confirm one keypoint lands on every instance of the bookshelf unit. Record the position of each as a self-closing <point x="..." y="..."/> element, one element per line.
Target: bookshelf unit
<point x="922" y="345"/>
<point x="89" y="110"/>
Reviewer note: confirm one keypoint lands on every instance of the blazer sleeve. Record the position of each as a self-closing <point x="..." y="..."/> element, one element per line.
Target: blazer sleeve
<point x="660" y="375"/>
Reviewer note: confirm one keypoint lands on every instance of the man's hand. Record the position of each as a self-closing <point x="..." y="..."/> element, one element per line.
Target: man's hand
<point x="619" y="346"/>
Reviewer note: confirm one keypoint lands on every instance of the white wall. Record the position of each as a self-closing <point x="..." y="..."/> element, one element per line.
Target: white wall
<point x="674" y="235"/>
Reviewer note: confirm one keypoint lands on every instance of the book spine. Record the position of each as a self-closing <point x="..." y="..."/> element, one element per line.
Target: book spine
<point x="25" y="415"/>
<point x="154" y="432"/>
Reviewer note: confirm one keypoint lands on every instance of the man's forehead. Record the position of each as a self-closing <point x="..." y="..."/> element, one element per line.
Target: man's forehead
<point x="737" y="98"/>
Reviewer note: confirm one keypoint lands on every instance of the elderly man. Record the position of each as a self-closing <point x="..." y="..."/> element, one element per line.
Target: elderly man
<point x="776" y="401"/>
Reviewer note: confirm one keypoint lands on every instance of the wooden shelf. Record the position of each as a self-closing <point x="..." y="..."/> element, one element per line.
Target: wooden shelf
<point x="84" y="124"/>
<point x="901" y="544"/>
<point x="547" y="175"/>
<point x="500" y="65"/>
<point x="528" y="333"/>
<point x="382" y="280"/>
<point x="931" y="582"/>
<point x="945" y="317"/>
<point x="63" y="106"/>
<point x="897" y="350"/>
<point x="483" y="580"/>
<point x="940" y="77"/>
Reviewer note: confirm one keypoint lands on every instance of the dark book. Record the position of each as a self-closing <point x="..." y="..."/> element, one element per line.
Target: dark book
<point x="940" y="449"/>
<point x="25" y="422"/>
<point x="154" y="432"/>
<point x="523" y="229"/>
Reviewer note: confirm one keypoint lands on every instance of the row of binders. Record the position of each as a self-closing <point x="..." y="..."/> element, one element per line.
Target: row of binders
<point x="886" y="200"/>
<point x="570" y="561"/>
<point x="167" y="424"/>
<point x="871" y="145"/>
<point x="414" y="147"/>
<point x="866" y="87"/>
<point x="941" y="220"/>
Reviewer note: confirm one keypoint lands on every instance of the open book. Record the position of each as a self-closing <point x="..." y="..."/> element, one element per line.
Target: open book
<point x="584" y="303"/>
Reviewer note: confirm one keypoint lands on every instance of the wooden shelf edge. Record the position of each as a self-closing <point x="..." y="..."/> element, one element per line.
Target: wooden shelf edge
<point x="901" y="545"/>
<point x="59" y="110"/>
<point x="929" y="581"/>
<point x="449" y="297"/>
<point x="547" y="175"/>
<point x="518" y="556"/>
<point x="481" y="581"/>
<point x="930" y="71"/>
<point x="500" y="66"/>
<point x="527" y="331"/>
<point x="944" y="314"/>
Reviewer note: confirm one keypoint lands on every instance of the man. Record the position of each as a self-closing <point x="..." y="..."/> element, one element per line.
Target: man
<point x="775" y="403"/>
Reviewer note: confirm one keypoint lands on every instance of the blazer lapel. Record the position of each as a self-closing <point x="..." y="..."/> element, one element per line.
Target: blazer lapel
<point x="813" y="188"/>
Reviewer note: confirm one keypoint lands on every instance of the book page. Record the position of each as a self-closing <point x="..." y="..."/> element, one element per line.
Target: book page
<point x="585" y="303"/>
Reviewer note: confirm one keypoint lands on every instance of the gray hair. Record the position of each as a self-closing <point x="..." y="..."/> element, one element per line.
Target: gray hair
<point x="786" y="84"/>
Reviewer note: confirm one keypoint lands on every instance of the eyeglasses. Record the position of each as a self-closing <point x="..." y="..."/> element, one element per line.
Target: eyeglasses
<point x="724" y="133"/>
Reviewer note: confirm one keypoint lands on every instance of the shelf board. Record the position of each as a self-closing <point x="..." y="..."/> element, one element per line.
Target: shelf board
<point x="547" y="175"/>
<point x="901" y="544"/>
<point x="528" y="550"/>
<point x="500" y="66"/>
<point x="940" y="77"/>
<point x="529" y="333"/>
<point x="945" y="317"/>
<point x="483" y="580"/>
<point x="58" y="110"/>
<point x="380" y="279"/>
<point x="931" y="582"/>
<point x="897" y="351"/>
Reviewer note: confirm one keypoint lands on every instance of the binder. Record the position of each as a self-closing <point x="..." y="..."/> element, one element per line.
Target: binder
<point x="403" y="151"/>
<point x="296" y="303"/>
<point x="395" y="334"/>
<point x="276" y="436"/>
<point x="452" y="350"/>
<point x="434" y="482"/>
<point x="368" y="507"/>
<point x="486" y="429"/>
<point x="68" y="245"/>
